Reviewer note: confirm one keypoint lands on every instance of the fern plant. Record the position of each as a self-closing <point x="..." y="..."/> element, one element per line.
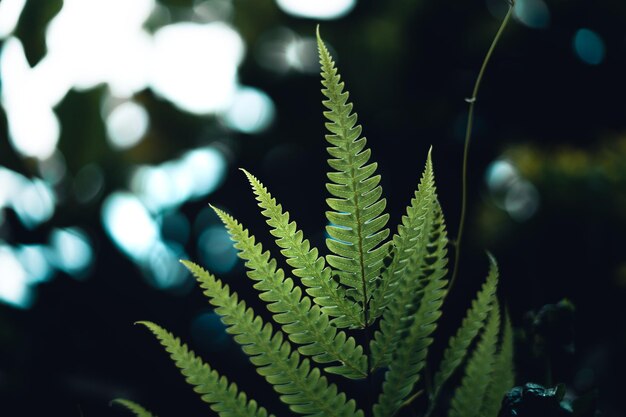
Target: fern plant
<point x="387" y="291"/>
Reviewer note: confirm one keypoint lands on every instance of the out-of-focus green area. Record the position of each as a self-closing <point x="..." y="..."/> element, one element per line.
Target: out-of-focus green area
<point x="122" y="120"/>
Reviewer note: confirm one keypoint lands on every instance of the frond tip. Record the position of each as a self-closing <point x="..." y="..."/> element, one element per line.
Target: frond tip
<point x="409" y="241"/>
<point x="305" y="261"/>
<point x="357" y="216"/>
<point x="503" y="378"/>
<point x="473" y="323"/>
<point x="469" y="398"/>
<point x="421" y="240"/>
<point x="135" y="408"/>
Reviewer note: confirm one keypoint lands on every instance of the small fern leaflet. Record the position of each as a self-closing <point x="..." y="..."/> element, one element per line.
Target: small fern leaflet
<point x="301" y="386"/>
<point x="470" y="395"/>
<point x="310" y="268"/>
<point x="357" y="220"/>
<point x="503" y="378"/>
<point x="409" y="356"/>
<point x="305" y="324"/>
<point x="135" y="408"/>
<point x="224" y="397"/>
<point x="422" y="225"/>
<point x="473" y="322"/>
<point x="413" y="226"/>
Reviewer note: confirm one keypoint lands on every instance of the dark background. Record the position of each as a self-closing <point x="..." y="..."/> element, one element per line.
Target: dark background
<point x="408" y="65"/>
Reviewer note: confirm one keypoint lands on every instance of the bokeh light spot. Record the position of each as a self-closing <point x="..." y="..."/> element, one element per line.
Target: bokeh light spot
<point x="33" y="127"/>
<point x="11" y="183"/>
<point x="196" y="174"/>
<point x="301" y="55"/>
<point x="34" y="204"/>
<point x="212" y="10"/>
<point x="589" y="47"/>
<point x="162" y="268"/>
<point x="88" y="183"/>
<point x="101" y="41"/>
<point x="317" y="9"/>
<point x="126" y="125"/>
<point x="522" y="200"/>
<point x="53" y="169"/>
<point x="129" y="224"/>
<point x="10" y="11"/>
<point x="34" y="260"/>
<point x="71" y="251"/>
<point x="14" y="289"/>
<point x="532" y="13"/>
<point x="207" y="167"/>
<point x="500" y="174"/>
<point x="251" y="111"/>
<point x="271" y="49"/>
<point x="195" y="66"/>
<point x="510" y="191"/>
<point x="216" y="249"/>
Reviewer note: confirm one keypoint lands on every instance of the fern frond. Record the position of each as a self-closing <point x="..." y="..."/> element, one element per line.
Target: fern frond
<point x="429" y="259"/>
<point x="223" y="397"/>
<point x="307" y="265"/>
<point x="305" y="323"/>
<point x="301" y="386"/>
<point x="473" y="322"/>
<point x="357" y="216"/>
<point x="409" y="239"/>
<point x="409" y="357"/>
<point x="135" y="408"/>
<point x="470" y="395"/>
<point x="503" y="378"/>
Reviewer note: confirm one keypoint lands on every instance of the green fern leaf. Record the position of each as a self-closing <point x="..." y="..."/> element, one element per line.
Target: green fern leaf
<point x="305" y="323"/>
<point x="357" y="228"/>
<point x="138" y="410"/>
<point x="301" y="386"/>
<point x="409" y="356"/>
<point x="473" y="322"/>
<point x="407" y="241"/>
<point x="310" y="268"/>
<point x="427" y="262"/>
<point x="503" y="378"/>
<point x="470" y="395"/>
<point x="224" y="397"/>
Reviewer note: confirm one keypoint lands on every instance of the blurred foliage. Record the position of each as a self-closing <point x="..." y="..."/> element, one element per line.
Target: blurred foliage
<point x="576" y="173"/>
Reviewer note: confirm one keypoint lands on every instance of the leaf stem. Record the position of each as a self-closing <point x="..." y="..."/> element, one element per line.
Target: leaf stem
<point x="468" y="135"/>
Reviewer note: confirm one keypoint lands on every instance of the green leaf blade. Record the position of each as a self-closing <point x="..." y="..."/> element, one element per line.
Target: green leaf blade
<point x="358" y="221"/>
<point x="294" y="379"/>
<point x="427" y="261"/>
<point x="305" y="325"/>
<point x="306" y="264"/>
<point x="472" y="324"/>
<point x="409" y="240"/>
<point x="503" y="378"/>
<point x="223" y="397"/>
<point x="135" y="408"/>
<point x="470" y="395"/>
<point x="414" y="337"/>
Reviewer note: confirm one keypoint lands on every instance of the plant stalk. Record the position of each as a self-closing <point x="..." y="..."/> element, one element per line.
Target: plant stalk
<point x="468" y="135"/>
